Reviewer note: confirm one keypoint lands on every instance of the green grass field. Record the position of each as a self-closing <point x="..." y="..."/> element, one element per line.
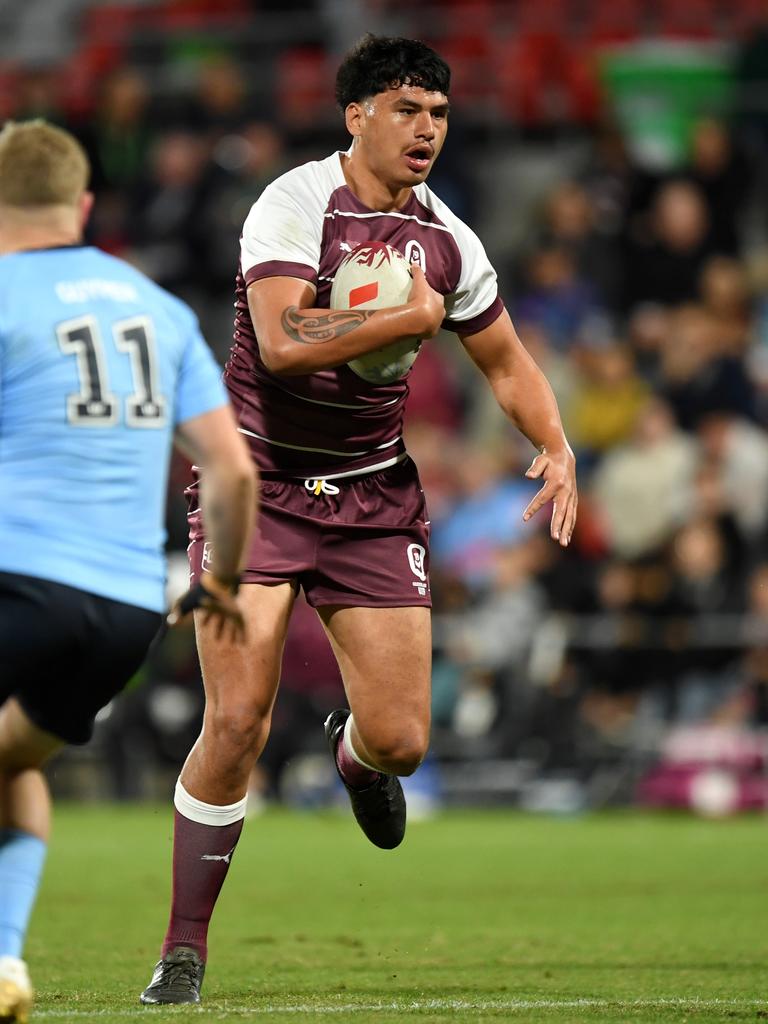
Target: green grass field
<point x="478" y="917"/>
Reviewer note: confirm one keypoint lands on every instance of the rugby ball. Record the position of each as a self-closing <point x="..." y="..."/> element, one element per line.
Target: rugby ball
<point x="375" y="276"/>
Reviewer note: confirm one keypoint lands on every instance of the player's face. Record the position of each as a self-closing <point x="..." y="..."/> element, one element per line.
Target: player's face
<point x="401" y="132"/>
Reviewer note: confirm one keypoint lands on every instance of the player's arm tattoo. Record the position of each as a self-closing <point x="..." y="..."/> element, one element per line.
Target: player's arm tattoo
<point x="316" y="330"/>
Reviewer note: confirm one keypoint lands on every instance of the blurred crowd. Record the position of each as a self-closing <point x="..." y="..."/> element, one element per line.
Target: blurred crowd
<point x="642" y="291"/>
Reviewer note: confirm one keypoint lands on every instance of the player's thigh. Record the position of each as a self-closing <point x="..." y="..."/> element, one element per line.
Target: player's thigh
<point x="385" y="657"/>
<point x="22" y="743"/>
<point x="242" y="678"/>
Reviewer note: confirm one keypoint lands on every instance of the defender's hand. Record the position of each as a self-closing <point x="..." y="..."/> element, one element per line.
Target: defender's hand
<point x="427" y="304"/>
<point x="558" y="470"/>
<point x="218" y="602"/>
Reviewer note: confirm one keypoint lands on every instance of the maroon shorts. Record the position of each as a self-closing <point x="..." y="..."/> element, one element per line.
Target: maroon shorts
<point x="357" y="541"/>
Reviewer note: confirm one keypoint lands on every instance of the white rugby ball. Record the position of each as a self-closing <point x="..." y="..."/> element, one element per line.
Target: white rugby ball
<point x="375" y="276"/>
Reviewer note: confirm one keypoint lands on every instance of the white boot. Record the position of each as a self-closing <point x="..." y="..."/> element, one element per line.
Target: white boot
<point x="15" y="990"/>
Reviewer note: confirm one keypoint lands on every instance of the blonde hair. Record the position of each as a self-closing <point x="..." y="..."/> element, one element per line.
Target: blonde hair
<point x="40" y="165"/>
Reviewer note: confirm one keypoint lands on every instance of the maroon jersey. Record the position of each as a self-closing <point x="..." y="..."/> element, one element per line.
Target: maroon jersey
<point x="332" y="423"/>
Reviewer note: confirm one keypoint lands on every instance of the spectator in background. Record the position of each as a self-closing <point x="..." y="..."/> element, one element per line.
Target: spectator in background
<point x="495" y="632"/>
<point x="38" y="94"/>
<point x="722" y="175"/>
<point x="648" y="330"/>
<point x="118" y="136"/>
<point x="168" y="214"/>
<point x="751" y="60"/>
<point x="756" y="657"/>
<point x="487" y="514"/>
<point x="569" y="223"/>
<point x="611" y="181"/>
<point x="738" y="453"/>
<point x="643" y="488"/>
<point x="607" y="399"/>
<point x="556" y="298"/>
<point x="244" y="162"/>
<point x="221" y="105"/>
<point x="488" y="642"/>
<point x="696" y="377"/>
<point x="117" y="139"/>
<point x="669" y="247"/>
<point x="706" y="594"/>
<point x="724" y="289"/>
<point x="631" y="600"/>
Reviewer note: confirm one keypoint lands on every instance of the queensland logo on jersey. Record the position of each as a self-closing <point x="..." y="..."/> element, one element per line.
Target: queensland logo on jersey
<point x="416" y="559"/>
<point x="414" y="253"/>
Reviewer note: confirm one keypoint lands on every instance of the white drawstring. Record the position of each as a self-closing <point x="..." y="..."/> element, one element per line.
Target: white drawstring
<point x="321" y="487"/>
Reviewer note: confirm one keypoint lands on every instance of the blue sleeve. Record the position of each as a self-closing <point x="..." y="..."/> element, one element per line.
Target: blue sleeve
<point x="200" y="388"/>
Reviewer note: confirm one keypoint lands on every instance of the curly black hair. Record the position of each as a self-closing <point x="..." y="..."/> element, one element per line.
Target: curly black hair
<point x="378" y="63"/>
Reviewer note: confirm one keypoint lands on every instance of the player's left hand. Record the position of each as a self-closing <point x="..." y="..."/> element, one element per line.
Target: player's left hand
<point x="558" y="470"/>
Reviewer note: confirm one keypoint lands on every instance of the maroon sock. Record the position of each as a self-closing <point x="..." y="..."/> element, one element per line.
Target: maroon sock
<point x="354" y="774"/>
<point x="201" y="857"/>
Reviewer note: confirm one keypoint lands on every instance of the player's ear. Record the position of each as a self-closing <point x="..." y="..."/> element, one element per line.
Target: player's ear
<point x="86" y="205"/>
<point x="354" y="116"/>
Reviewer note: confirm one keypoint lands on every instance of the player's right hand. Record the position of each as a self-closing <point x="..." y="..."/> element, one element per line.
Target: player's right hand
<point x="428" y="304"/>
<point x="218" y="604"/>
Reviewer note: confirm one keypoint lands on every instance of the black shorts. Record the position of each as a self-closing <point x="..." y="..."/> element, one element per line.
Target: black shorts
<point x="65" y="653"/>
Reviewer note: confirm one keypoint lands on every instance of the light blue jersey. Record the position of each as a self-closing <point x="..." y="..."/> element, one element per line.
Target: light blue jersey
<point x="98" y="365"/>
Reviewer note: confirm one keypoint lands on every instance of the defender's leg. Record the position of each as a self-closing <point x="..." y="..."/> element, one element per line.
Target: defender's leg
<point x="24" y="827"/>
<point x="240" y="687"/>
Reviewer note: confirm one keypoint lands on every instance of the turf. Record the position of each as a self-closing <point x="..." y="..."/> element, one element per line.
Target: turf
<point x="478" y="917"/>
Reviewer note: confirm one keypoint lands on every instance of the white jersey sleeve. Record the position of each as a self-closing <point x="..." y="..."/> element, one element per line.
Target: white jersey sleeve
<point x="476" y="289"/>
<point x="283" y="230"/>
<point x="473" y="301"/>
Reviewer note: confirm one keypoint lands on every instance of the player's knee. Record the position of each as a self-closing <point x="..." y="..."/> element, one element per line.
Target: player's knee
<point x="400" y="754"/>
<point x="238" y="732"/>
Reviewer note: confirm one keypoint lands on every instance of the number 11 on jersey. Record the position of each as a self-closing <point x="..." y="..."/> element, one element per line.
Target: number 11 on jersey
<point x="95" y="405"/>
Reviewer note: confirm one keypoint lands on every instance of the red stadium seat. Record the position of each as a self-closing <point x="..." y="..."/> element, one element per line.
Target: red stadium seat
<point x="8" y="91"/>
<point x="741" y="17"/>
<point x="544" y="79"/>
<point x="685" y="19"/>
<point x="608" y="22"/>
<point x="302" y="76"/>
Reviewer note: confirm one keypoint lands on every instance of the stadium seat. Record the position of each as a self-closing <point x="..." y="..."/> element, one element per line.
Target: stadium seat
<point x="605" y="24"/>
<point x="301" y="84"/>
<point x="685" y="19"/>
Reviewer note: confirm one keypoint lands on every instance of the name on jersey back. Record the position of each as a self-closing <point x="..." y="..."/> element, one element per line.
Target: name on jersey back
<point x="90" y="288"/>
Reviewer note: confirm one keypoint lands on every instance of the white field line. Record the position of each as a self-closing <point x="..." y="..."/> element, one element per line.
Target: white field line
<point x="220" y="1010"/>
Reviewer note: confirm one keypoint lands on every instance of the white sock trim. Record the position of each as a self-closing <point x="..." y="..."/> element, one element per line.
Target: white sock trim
<point x="207" y="814"/>
<point x="347" y="741"/>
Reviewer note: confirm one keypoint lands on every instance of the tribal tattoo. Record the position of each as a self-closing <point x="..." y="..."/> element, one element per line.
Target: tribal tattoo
<point x="316" y="330"/>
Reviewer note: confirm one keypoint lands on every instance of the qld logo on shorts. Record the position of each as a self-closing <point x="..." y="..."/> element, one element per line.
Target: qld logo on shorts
<point x="416" y="556"/>
<point x="205" y="563"/>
